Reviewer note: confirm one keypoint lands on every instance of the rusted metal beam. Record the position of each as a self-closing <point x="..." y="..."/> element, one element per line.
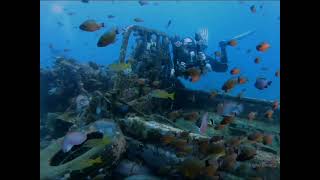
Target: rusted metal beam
<point x="126" y="37"/>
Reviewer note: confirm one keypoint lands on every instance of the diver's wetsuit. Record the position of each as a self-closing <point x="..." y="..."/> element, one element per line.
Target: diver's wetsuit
<point x="182" y="54"/>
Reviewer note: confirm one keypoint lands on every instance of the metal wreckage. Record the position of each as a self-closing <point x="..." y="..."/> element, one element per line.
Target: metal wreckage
<point x="147" y="137"/>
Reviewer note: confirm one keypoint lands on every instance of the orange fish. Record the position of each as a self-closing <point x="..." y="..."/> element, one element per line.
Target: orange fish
<point x="263" y="47"/>
<point x="217" y="54"/>
<point x="227" y="120"/>
<point x="258" y="137"/>
<point x="174" y="115"/>
<point x="277" y="74"/>
<point x="213" y="94"/>
<point x="141" y="81"/>
<point x="167" y="139"/>
<point x="233" y="43"/>
<point x="268" y="114"/>
<point x="235" y="71"/>
<point x="194" y="73"/>
<point x="275" y="105"/>
<point x="230" y="84"/>
<point x="252" y="115"/>
<point x="193" y="116"/>
<point x="220" y="127"/>
<point x="195" y="78"/>
<point x="267" y="139"/>
<point x="242" y="79"/>
<point x="257" y="60"/>
<point x="156" y="83"/>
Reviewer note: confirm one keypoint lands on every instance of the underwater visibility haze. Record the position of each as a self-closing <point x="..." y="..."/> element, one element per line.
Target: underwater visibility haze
<point x="160" y="89"/>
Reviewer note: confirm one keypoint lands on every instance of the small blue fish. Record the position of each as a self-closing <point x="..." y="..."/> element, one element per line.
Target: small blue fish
<point x="262" y="83"/>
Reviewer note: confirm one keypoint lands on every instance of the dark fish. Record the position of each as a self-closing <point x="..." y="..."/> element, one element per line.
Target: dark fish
<point x="60" y="23"/>
<point x="169" y="22"/>
<point x="71" y="13"/>
<point x="85" y="1"/>
<point x="143" y="2"/>
<point x="111" y="16"/>
<point x="262" y="83"/>
<point x="107" y="38"/>
<point x="138" y="20"/>
<point x="263" y="47"/>
<point x="91" y="25"/>
<point x="253" y="9"/>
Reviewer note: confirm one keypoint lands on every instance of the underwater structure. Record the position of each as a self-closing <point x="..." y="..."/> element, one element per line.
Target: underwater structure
<point x="136" y="124"/>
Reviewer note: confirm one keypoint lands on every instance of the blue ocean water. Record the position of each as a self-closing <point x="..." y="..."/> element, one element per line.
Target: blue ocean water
<point x="224" y="20"/>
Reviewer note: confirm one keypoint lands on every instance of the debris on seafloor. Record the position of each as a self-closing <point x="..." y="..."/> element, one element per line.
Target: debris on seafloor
<point x="124" y="121"/>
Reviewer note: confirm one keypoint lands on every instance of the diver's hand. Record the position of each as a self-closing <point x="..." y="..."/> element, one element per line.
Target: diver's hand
<point x="208" y="67"/>
<point x="172" y="72"/>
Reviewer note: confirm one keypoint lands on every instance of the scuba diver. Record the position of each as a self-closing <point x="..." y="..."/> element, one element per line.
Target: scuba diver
<point x="189" y="53"/>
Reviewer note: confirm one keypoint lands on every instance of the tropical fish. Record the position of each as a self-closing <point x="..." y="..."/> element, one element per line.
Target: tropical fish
<point x="97" y="142"/>
<point x="263" y="47"/>
<point x="229" y="84"/>
<point x="262" y="83"/>
<point x="117" y="67"/>
<point x="110" y="16"/>
<point x="220" y="127"/>
<point x="143" y="2"/>
<point x="168" y="24"/>
<point x="162" y="94"/>
<point x="277" y="74"/>
<point x="233" y="43"/>
<point x="267" y="139"/>
<point x="142" y="81"/>
<point x="156" y="83"/>
<point x="268" y="114"/>
<point x="252" y="115"/>
<point x="242" y="80"/>
<point x="167" y="139"/>
<point x="174" y="115"/>
<point x="275" y="105"/>
<point x="91" y="25"/>
<point x="227" y="120"/>
<point x="204" y="123"/>
<point x="257" y="60"/>
<point x="258" y="137"/>
<point x="192" y="116"/>
<point x="138" y="20"/>
<point x="107" y="38"/>
<point x="191" y="167"/>
<point x="213" y="94"/>
<point x="71" y="139"/>
<point x="253" y="9"/>
<point x="194" y="74"/>
<point x="235" y="71"/>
